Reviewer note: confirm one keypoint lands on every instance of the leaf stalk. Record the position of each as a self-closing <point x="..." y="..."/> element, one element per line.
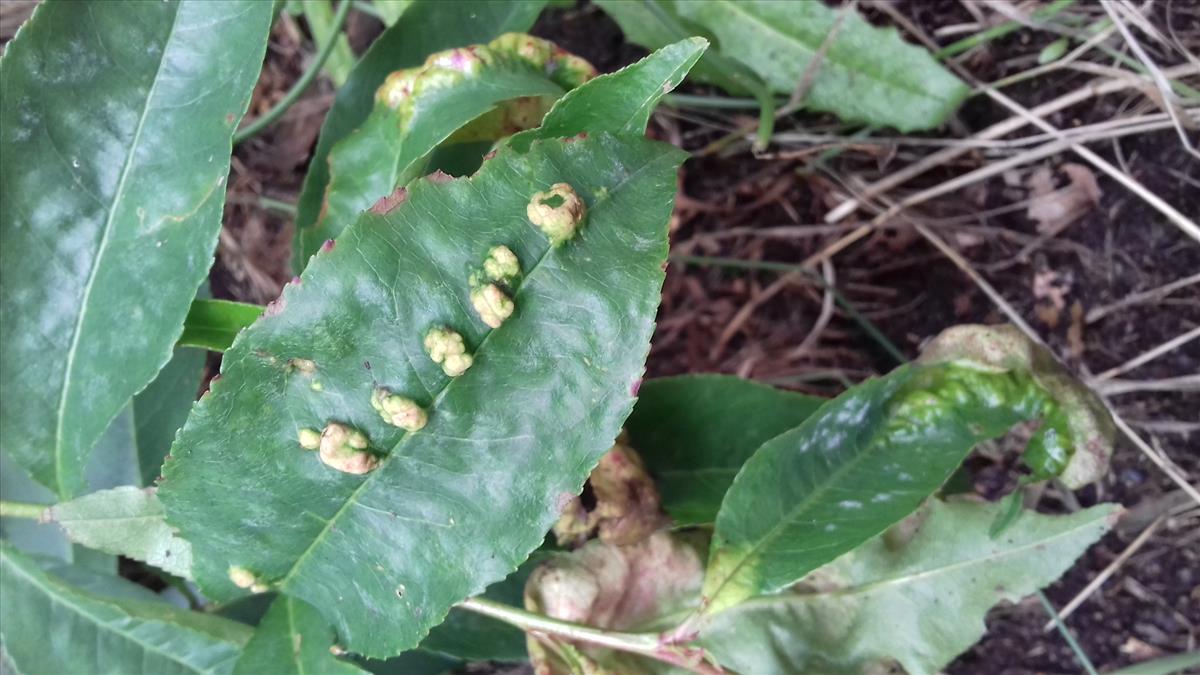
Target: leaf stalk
<point x="21" y="510"/>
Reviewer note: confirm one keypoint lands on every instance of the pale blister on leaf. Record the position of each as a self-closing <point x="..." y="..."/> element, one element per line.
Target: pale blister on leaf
<point x="918" y="605"/>
<point x="113" y="160"/>
<point x="462" y="502"/>
<point x="867" y="459"/>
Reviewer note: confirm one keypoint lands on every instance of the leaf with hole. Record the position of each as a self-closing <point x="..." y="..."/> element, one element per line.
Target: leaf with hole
<point x="98" y="180"/>
<point x="444" y="511"/>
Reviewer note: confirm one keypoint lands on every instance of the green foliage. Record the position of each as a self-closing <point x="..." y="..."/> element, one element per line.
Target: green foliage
<point x="917" y="603"/>
<point x="292" y="639"/>
<point x="98" y="181"/>
<point x="127" y="521"/>
<point x="104" y="633"/>
<point x="425" y="27"/>
<point x="415" y="535"/>
<point x="696" y="431"/>
<point x="867" y="74"/>
<point x="215" y="324"/>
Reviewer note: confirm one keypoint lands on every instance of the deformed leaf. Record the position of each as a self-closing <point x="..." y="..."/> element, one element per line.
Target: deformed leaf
<point x="868" y="458"/>
<point x="919" y="605"/>
<point x="867" y="74"/>
<point x="695" y="432"/>
<point x="471" y="93"/>
<point x="104" y="634"/>
<point x="292" y="639"/>
<point x="113" y="158"/>
<point x="125" y="521"/>
<point x="459" y="504"/>
<point x="426" y="26"/>
<point x="619" y="102"/>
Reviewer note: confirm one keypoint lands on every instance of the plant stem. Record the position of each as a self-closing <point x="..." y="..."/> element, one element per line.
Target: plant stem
<point x="1080" y="655"/>
<point x="279" y="205"/>
<point x="645" y="644"/>
<point x="293" y="95"/>
<point x="21" y="510"/>
<point x="1001" y="30"/>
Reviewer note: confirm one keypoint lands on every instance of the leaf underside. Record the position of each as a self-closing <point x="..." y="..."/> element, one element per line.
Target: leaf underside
<point x="462" y="502"/>
<point x="98" y="182"/>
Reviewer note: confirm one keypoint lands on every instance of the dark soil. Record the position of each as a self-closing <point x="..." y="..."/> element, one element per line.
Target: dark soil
<point x="731" y="206"/>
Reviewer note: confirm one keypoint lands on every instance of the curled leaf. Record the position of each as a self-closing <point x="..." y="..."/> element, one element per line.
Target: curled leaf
<point x="626" y="506"/>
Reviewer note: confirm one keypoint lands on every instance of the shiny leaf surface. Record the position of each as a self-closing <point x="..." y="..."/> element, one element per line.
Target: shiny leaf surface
<point x="425" y="26"/>
<point x="695" y="431"/>
<point x="867" y="74"/>
<point x="93" y="633"/>
<point x="214" y="324"/>
<point x="919" y="604"/>
<point x="292" y="639"/>
<point x="866" y="459"/>
<point x="460" y="503"/>
<point x="110" y="211"/>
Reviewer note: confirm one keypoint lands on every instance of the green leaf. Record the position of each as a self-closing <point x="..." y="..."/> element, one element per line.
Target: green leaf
<point x="215" y="324"/>
<point x="116" y="123"/>
<point x="160" y="410"/>
<point x="426" y="26"/>
<point x="414" y="662"/>
<point x="124" y="521"/>
<point x="390" y="11"/>
<point x="619" y="102"/>
<point x="695" y="431"/>
<point x="474" y="637"/>
<point x="868" y="458"/>
<point x="293" y="638"/>
<point x="419" y="108"/>
<point x="96" y="634"/>
<point x="1167" y="665"/>
<point x="319" y="14"/>
<point x="918" y="605"/>
<point x="460" y="503"/>
<point x="867" y="75"/>
<point x="654" y="24"/>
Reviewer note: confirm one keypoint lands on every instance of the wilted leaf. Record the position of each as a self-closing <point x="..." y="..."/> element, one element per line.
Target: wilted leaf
<point x="695" y="432"/>
<point x="444" y="511"/>
<point x="115" y="142"/>
<point x="426" y="26"/>
<point x="919" y="605"/>
<point x="867" y="74"/>
<point x="866" y="459"/>
<point x="104" y="634"/>
<point x="124" y="521"/>
<point x="619" y="102"/>
<point x="292" y="639"/>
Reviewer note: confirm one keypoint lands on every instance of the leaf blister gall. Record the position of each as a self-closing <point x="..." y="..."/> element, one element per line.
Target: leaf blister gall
<point x="346" y="449"/>
<point x="492" y="305"/>
<point x="398" y="410"/>
<point x="557" y="212"/>
<point x="446" y="348"/>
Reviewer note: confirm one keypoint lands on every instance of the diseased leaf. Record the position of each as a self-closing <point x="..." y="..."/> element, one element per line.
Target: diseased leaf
<point x="215" y="324"/>
<point x="125" y="521"/>
<point x="918" y="605"/>
<point x="695" y="431"/>
<point x="104" y="634"/>
<point x="110" y="212"/>
<point x="292" y="638"/>
<point x="619" y="102"/>
<point x="514" y="417"/>
<point x="868" y="458"/>
<point x="867" y="74"/>
<point x="426" y="26"/>
<point x="481" y="92"/>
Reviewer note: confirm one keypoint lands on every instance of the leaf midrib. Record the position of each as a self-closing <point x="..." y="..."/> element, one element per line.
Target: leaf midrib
<point x="829" y="56"/>
<point x="118" y="197"/>
<point x="353" y="497"/>
<point x="99" y="623"/>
